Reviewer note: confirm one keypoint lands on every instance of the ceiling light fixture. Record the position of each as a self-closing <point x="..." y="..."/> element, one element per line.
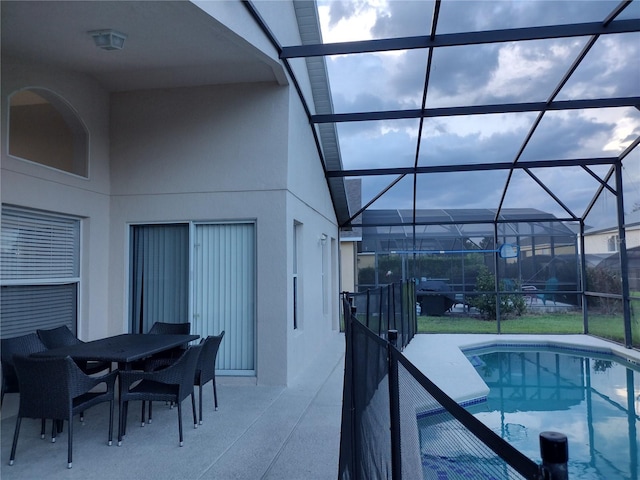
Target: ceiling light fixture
<point x="108" y="39"/>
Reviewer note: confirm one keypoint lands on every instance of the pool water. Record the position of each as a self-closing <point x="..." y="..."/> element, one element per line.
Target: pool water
<point x="592" y="399"/>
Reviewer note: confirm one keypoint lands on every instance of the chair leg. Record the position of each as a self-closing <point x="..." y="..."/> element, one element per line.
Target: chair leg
<point x="142" y="416"/>
<point x="149" y="420"/>
<point x="193" y="408"/>
<point x="126" y="415"/>
<point x="215" y="394"/>
<point x="54" y="430"/>
<point x="42" y="428"/>
<point x="15" y="440"/>
<point x="111" y="406"/>
<point x="180" y="423"/>
<point x="70" y="443"/>
<point x="200" y="401"/>
<point x="121" y="420"/>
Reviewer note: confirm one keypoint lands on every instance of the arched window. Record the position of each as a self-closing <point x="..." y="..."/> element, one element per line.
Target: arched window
<point x="44" y="129"/>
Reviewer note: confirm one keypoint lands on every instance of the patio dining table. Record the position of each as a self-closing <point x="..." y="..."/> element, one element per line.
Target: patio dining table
<point x="123" y="349"/>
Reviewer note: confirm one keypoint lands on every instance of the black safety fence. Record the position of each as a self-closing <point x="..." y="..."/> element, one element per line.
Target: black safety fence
<point x="389" y="307"/>
<point x="397" y="424"/>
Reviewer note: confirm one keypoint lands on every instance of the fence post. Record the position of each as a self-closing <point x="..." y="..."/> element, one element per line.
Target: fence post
<point x="367" y="310"/>
<point x="394" y="406"/>
<point x="392" y="336"/>
<point x="554" y="451"/>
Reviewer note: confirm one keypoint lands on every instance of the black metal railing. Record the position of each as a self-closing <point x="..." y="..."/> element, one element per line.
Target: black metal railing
<point x="389" y="307"/>
<point x="398" y="424"/>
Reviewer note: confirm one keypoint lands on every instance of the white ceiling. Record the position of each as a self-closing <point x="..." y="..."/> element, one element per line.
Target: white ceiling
<point x="169" y="44"/>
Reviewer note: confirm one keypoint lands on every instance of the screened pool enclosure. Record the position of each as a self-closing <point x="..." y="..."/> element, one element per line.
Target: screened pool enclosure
<point x="495" y="148"/>
<point x="527" y="248"/>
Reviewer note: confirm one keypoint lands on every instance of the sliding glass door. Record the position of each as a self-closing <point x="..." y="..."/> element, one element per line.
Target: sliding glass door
<point x="224" y="292"/>
<point x="221" y="287"/>
<point x="160" y="275"/>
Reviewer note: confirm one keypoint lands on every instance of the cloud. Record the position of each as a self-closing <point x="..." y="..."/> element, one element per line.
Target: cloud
<point x="476" y="75"/>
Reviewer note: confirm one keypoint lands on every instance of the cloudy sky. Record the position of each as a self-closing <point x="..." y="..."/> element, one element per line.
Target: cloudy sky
<point x="479" y="75"/>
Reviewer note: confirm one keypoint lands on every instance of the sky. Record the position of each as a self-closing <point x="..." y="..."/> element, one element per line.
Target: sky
<point x="479" y="75"/>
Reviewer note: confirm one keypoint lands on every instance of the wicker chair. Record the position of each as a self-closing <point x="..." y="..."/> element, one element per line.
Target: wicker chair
<point x="170" y="328"/>
<point x="57" y="388"/>
<point x="62" y="337"/>
<point x="164" y="359"/>
<point x="24" y="345"/>
<point x="206" y="368"/>
<point x="171" y="384"/>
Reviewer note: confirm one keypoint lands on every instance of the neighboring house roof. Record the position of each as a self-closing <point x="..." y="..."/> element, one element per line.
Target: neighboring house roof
<point x="385" y="217"/>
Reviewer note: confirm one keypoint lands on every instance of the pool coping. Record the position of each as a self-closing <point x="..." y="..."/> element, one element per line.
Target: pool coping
<point x="441" y="357"/>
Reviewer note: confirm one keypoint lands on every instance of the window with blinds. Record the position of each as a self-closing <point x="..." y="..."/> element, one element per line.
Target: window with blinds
<point x="40" y="271"/>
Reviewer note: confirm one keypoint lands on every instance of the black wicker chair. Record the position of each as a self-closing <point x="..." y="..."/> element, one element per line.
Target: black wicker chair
<point x="170" y="328"/>
<point x="62" y="337"/>
<point x="206" y="368"/>
<point x="57" y="388"/>
<point x="171" y="384"/>
<point x="23" y="345"/>
<point x="164" y="359"/>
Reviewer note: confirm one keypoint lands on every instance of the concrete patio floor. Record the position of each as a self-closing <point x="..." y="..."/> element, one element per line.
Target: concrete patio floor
<point x="259" y="432"/>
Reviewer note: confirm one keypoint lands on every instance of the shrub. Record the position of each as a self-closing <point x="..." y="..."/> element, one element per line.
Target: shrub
<point x="603" y="280"/>
<point x="510" y="303"/>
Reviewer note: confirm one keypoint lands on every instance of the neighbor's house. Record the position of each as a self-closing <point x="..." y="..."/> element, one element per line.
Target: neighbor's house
<point x="605" y="241"/>
<point x="175" y="179"/>
<point x="602" y="248"/>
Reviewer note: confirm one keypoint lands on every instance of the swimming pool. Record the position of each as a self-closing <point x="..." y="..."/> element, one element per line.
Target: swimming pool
<point x="590" y="397"/>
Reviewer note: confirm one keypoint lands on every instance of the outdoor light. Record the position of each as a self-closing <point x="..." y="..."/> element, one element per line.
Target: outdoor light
<point x="108" y="39"/>
<point x="323" y="238"/>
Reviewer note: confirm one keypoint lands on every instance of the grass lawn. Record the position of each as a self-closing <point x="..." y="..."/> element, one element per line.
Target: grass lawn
<point x="605" y="326"/>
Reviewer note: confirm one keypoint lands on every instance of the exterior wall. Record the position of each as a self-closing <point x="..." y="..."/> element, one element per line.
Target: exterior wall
<point x="348" y="255"/>
<point x="35" y="186"/>
<point x="599" y="242"/>
<point x="219" y="153"/>
<point x="224" y="160"/>
<point x="309" y="203"/>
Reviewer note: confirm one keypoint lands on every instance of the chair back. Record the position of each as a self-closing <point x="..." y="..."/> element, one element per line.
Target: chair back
<point x="23" y="345"/>
<point x="45" y="386"/>
<point x="160" y="328"/>
<point x="58" y="337"/>
<point x="186" y="369"/>
<point x="206" y="369"/>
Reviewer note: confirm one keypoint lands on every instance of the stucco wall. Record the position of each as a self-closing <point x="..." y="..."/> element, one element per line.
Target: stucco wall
<point x="35" y="186"/>
<point x="226" y="158"/>
<point x="218" y="153"/>
<point x="309" y="203"/>
<point x="206" y="154"/>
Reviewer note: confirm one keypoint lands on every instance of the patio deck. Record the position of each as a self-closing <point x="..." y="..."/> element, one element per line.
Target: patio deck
<point x="259" y="432"/>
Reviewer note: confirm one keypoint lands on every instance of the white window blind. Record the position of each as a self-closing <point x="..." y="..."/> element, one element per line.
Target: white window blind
<point x="224" y="292"/>
<point x="39" y="271"/>
<point x="26" y="308"/>
<point x="38" y="247"/>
